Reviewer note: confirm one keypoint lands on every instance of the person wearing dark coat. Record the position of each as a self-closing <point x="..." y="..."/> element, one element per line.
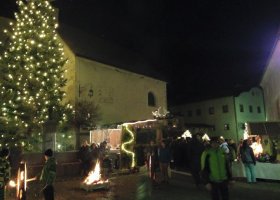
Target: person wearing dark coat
<point x="249" y="161"/>
<point x="85" y="158"/>
<point x="196" y="149"/>
<point x="48" y="175"/>
<point x="164" y="157"/>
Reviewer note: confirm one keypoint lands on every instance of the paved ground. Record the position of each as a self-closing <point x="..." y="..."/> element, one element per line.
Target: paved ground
<point x="181" y="187"/>
<point x="136" y="187"/>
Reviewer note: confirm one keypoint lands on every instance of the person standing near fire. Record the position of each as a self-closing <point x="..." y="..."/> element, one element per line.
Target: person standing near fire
<point x="84" y="156"/>
<point x="5" y="172"/>
<point x="48" y="175"/>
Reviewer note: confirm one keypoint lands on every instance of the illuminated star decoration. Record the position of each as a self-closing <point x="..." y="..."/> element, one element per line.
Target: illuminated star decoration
<point x="160" y="113"/>
<point x="186" y="134"/>
<point x="205" y="137"/>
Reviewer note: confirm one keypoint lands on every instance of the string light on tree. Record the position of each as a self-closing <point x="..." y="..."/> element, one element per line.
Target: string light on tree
<point x="33" y="57"/>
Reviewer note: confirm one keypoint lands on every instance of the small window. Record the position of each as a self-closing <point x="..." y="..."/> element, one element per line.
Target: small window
<point x="211" y="111"/>
<point x="151" y="99"/>
<point x="259" y="109"/>
<point x="198" y="112"/>
<point x="250" y="109"/>
<point x="189" y="113"/>
<point x="226" y="126"/>
<point x="241" y="108"/>
<point x="225" y="108"/>
<point x="243" y="126"/>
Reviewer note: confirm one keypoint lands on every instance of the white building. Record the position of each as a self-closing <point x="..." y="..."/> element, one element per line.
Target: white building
<point x="224" y="116"/>
<point x="271" y="85"/>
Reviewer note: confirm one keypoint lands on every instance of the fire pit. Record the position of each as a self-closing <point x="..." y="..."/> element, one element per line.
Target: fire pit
<point x="94" y="181"/>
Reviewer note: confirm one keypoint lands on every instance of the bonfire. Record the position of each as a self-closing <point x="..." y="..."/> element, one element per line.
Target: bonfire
<point x="94" y="180"/>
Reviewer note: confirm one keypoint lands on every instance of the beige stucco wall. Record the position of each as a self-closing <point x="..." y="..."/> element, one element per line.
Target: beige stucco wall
<point x="121" y="95"/>
<point x="271" y="85"/>
<point x="70" y="74"/>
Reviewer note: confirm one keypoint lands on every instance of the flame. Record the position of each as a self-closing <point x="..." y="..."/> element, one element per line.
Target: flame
<point x="18" y="182"/>
<point x="94" y="177"/>
<point x="12" y="183"/>
<point x="257" y="148"/>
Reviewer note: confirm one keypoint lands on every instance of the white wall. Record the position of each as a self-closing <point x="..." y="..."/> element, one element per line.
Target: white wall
<point x="271" y="85"/>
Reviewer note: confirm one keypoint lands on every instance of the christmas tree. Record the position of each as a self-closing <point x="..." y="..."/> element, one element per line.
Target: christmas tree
<point x="31" y="72"/>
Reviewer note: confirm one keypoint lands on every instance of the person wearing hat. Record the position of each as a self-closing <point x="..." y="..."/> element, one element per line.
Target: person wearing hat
<point x="216" y="170"/>
<point x="48" y="175"/>
<point x="5" y="172"/>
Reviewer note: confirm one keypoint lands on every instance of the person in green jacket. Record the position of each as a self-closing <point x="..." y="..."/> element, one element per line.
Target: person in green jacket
<point x="48" y="175"/>
<point x="216" y="170"/>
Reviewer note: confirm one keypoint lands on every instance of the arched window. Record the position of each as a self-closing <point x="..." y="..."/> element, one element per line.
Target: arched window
<point x="151" y="99"/>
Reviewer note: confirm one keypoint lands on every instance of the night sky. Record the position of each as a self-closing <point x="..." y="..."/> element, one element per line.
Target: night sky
<point x="203" y="48"/>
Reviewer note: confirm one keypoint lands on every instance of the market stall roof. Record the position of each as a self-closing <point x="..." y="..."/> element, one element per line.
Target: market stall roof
<point x="264" y="128"/>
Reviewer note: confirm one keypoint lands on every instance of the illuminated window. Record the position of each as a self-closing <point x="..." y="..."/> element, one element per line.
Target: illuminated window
<point x="151" y="99"/>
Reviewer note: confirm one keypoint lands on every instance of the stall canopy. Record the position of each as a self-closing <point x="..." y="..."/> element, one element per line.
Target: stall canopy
<point x="264" y="128"/>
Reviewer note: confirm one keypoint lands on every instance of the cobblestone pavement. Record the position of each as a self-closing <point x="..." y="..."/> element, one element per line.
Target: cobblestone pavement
<point x="137" y="187"/>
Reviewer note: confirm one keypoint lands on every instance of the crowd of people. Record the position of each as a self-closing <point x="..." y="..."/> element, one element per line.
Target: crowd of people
<point x="186" y="155"/>
<point x="158" y="158"/>
<point x="90" y="153"/>
<point x="210" y="161"/>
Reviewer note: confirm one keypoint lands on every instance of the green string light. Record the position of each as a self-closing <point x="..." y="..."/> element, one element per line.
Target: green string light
<point x="124" y="145"/>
